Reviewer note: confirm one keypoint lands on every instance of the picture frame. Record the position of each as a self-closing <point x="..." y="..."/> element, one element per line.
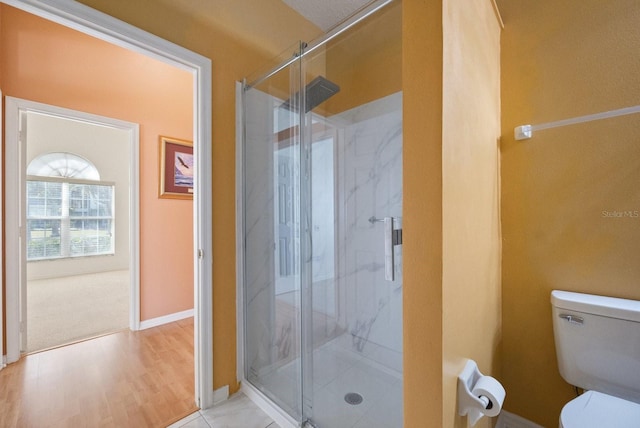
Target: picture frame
<point x="176" y="168"/>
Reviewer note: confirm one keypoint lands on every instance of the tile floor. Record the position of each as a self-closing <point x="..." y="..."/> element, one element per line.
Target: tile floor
<point x="338" y="370"/>
<point x="237" y="412"/>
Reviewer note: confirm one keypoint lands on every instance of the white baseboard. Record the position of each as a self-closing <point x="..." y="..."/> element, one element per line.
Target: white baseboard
<point x="220" y="394"/>
<point x="166" y="319"/>
<point x="510" y="420"/>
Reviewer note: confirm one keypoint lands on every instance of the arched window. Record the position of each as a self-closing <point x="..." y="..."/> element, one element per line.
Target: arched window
<point x="70" y="212"/>
<point x="65" y="165"/>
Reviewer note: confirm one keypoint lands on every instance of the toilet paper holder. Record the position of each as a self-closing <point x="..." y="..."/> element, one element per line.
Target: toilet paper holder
<point x="474" y="400"/>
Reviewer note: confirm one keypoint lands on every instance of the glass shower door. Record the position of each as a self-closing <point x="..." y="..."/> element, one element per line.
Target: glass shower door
<point x="272" y="268"/>
<point x="351" y="213"/>
<point x="323" y="230"/>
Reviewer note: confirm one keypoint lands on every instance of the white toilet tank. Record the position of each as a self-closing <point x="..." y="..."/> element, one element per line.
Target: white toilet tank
<point x="598" y="342"/>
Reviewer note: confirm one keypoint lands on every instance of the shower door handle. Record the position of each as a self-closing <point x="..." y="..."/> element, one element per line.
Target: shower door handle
<point x="392" y="237"/>
<point x="388" y="249"/>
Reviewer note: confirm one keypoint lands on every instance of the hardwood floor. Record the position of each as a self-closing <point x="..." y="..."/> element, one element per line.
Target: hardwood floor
<point x="126" y="379"/>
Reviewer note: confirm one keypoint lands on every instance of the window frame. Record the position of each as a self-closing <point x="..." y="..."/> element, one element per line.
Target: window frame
<point x="71" y="181"/>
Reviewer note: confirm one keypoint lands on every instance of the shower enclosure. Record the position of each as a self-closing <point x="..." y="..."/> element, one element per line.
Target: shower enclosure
<point x="321" y="229"/>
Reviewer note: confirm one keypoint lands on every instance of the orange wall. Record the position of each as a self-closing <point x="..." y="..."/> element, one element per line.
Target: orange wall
<point x="471" y="173"/>
<point x="51" y="64"/>
<point x="367" y="60"/>
<point x="422" y="212"/>
<point x="561" y="60"/>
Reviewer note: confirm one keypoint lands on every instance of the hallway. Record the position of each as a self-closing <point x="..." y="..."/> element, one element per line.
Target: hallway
<point x="127" y="379"/>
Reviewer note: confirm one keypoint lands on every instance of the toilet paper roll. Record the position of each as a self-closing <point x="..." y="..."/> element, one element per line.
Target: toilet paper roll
<point x="489" y="387"/>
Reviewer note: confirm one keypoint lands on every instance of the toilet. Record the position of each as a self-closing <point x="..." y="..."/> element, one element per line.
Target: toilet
<point x="598" y="348"/>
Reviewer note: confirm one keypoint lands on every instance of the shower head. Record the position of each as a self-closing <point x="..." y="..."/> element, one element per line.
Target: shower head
<point x="316" y="92"/>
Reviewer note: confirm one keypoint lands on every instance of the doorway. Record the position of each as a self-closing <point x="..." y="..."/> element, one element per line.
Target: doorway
<point x="91" y="22"/>
<point x="80" y="241"/>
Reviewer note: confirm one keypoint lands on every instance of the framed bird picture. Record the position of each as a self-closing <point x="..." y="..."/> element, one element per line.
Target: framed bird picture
<point x="176" y="168"/>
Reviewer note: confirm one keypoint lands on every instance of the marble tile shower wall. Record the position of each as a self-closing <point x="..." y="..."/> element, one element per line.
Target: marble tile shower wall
<point x="370" y="177"/>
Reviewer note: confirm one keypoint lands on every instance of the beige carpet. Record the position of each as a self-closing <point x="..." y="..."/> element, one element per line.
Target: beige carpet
<point x="65" y="310"/>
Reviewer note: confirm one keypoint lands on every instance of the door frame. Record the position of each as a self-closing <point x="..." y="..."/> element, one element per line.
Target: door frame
<point x="3" y="358"/>
<point x="15" y="178"/>
<point x="92" y="22"/>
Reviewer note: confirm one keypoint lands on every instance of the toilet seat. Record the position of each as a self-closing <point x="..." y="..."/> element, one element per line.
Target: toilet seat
<point x="596" y="410"/>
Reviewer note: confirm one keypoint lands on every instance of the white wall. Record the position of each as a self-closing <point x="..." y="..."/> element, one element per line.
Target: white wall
<point x="108" y="149"/>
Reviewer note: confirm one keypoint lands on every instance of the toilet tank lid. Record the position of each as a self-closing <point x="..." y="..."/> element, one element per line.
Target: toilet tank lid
<point x="611" y="307"/>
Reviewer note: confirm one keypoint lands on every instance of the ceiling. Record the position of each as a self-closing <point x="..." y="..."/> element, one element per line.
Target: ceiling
<point x="327" y="13"/>
<point x="286" y="21"/>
